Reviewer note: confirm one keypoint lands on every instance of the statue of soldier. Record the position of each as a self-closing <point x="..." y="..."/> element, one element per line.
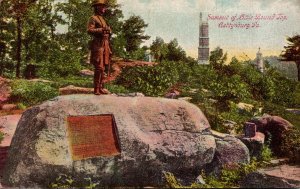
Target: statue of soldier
<point x="99" y="45"/>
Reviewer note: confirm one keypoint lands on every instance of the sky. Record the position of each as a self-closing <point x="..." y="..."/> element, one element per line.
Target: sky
<point x="179" y="19"/>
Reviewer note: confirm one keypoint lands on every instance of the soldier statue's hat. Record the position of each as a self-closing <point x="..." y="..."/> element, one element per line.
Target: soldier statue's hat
<point x="98" y="2"/>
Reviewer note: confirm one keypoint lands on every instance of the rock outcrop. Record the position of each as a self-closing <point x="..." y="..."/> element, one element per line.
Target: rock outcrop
<point x="283" y="176"/>
<point x="153" y="134"/>
<point x="255" y="144"/>
<point x="273" y="127"/>
<point x="230" y="152"/>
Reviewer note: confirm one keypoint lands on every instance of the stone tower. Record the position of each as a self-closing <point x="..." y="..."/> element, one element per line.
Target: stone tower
<point x="259" y="61"/>
<point x="203" y="49"/>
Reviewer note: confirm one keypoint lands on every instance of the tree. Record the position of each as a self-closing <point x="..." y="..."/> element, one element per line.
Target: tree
<point x="114" y="16"/>
<point x="175" y="52"/>
<point x="18" y="10"/>
<point x="77" y="13"/>
<point x="292" y="51"/>
<point x="7" y="38"/>
<point x="217" y="59"/>
<point x="39" y="31"/>
<point x="133" y="29"/>
<point x="217" y="56"/>
<point x="159" y="49"/>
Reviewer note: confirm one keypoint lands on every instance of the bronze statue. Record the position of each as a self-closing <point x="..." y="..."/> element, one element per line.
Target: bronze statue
<point x="99" y="45"/>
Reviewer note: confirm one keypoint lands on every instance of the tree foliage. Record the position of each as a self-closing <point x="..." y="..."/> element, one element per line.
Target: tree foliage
<point x="171" y="51"/>
<point x="39" y="32"/>
<point x="134" y="29"/>
<point x="292" y="51"/>
<point x="159" y="49"/>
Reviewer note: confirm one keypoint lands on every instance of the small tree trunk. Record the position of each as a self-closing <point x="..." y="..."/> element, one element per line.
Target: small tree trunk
<point x="19" y="44"/>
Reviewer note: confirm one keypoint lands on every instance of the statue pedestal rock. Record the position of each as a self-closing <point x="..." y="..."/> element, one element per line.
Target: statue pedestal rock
<point x="116" y="141"/>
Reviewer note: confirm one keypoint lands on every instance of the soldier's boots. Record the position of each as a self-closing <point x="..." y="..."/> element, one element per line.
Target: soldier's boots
<point x="103" y="91"/>
<point x="97" y="90"/>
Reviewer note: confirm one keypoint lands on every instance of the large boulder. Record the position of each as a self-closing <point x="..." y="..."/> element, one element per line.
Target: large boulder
<point x="153" y="134"/>
<point x="283" y="176"/>
<point x="230" y="152"/>
<point x="273" y="127"/>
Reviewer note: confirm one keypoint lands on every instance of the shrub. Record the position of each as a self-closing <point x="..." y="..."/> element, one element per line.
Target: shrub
<point x="21" y="106"/>
<point x="266" y="154"/>
<point x="229" y="177"/>
<point x="150" y="80"/>
<point x="31" y="93"/>
<point x="291" y="144"/>
<point x="284" y="88"/>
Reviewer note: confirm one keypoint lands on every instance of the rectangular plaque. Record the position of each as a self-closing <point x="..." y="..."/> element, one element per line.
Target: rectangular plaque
<point x="92" y="136"/>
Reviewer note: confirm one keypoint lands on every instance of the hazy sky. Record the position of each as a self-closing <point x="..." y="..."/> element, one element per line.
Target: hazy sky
<point x="180" y="19"/>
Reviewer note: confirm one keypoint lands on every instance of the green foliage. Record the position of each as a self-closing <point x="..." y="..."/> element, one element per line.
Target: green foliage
<point x="292" y="51"/>
<point x="266" y="154"/>
<point x="77" y="13"/>
<point x="291" y="144"/>
<point x="271" y="86"/>
<point x="116" y="88"/>
<point x="168" y="51"/>
<point x="32" y="93"/>
<point x="118" y="45"/>
<point x="172" y="182"/>
<point x="150" y="80"/>
<point x="6" y="41"/>
<point x="175" y="52"/>
<point x="297" y="96"/>
<point x="78" y="81"/>
<point x="1" y="136"/>
<point x="133" y="29"/>
<point x="138" y="54"/>
<point x="283" y="88"/>
<point x="62" y="63"/>
<point x="217" y="59"/>
<point x="21" y="106"/>
<point x="228" y="178"/>
<point x="275" y="109"/>
<point x="230" y="88"/>
<point x="159" y="49"/>
<point x="65" y="181"/>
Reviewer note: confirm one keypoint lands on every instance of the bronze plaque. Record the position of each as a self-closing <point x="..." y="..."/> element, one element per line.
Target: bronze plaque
<point x="93" y="136"/>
